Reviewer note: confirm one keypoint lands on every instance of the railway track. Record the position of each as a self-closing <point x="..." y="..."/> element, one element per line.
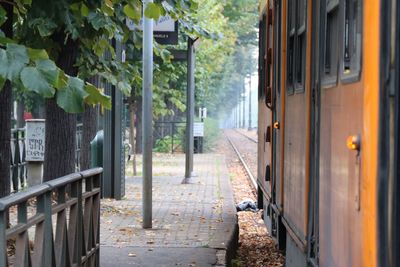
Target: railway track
<point x="248" y="137"/>
<point x="252" y="179"/>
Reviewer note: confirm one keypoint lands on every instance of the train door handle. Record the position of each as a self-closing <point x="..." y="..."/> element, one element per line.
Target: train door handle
<point x="267" y="173"/>
<point x="268" y="135"/>
<point x="353" y="142"/>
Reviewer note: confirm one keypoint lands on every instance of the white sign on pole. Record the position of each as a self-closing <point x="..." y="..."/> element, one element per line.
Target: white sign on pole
<point x="163" y="24"/>
<point x="202" y="113"/>
<point x="198" y="129"/>
<point x="35" y="140"/>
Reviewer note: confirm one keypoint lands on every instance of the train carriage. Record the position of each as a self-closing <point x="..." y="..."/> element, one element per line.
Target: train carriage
<point x="328" y="130"/>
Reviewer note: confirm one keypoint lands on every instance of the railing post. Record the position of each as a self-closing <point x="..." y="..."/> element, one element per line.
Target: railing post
<point x="21" y="167"/>
<point x="15" y="160"/>
<point x="3" y="240"/>
<point x="22" y="252"/>
<point x="96" y="217"/>
<point x="49" y="259"/>
<point x="172" y="136"/>
<point x="79" y="226"/>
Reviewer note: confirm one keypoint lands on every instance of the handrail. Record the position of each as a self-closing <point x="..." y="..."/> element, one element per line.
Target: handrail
<point x="74" y="200"/>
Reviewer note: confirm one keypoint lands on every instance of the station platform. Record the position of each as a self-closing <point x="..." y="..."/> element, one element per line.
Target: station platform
<point x="194" y="224"/>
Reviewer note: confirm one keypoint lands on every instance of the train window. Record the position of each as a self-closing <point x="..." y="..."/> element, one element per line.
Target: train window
<point x="331" y="54"/>
<point x="262" y="58"/>
<point x="296" y="46"/>
<point x="301" y="45"/>
<point x="351" y="65"/>
<point x="290" y="47"/>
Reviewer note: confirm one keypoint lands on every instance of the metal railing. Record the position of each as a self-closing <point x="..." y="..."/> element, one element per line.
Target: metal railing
<point x="18" y="172"/>
<point x="79" y="130"/>
<point x="17" y="167"/>
<point x="172" y="133"/>
<point x="71" y="239"/>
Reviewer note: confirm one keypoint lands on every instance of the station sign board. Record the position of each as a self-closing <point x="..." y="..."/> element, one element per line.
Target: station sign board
<point x="165" y="29"/>
<point x="198" y="129"/>
<point x="35" y="140"/>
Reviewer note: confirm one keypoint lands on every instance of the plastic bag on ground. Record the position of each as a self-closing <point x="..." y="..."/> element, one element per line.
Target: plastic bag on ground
<point x="247" y="205"/>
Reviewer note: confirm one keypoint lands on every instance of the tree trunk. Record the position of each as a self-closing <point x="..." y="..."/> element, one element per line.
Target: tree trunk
<point x="20" y="114"/>
<point x="60" y="148"/>
<point x="89" y="130"/>
<point x="132" y="134"/>
<point x="5" y="136"/>
<point x="138" y="125"/>
<point x="5" y="116"/>
<point x="59" y="158"/>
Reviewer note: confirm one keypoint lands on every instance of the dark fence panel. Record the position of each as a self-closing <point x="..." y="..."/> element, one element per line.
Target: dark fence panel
<point x="18" y="171"/>
<point x="17" y="167"/>
<point x="79" y="127"/>
<point x="170" y="135"/>
<point x="63" y="214"/>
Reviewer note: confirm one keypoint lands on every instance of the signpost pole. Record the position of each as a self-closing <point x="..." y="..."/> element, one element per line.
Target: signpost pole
<point x="189" y="111"/>
<point x="147" y="118"/>
<point x="249" y="103"/>
<point x="244" y="104"/>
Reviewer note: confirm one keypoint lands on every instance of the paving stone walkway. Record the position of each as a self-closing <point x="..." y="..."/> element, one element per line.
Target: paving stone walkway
<point x="194" y="224"/>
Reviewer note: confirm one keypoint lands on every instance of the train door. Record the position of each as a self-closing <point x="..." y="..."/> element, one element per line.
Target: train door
<point x="297" y="127"/>
<point x="389" y="143"/>
<point x="278" y="125"/>
<point x="395" y="210"/>
<point x="264" y="116"/>
<point x="395" y="200"/>
<point x="261" y="125"/>
<point x="340" y="120"/>
<point x="267" y="102"/>
<point x="313" y="224"/>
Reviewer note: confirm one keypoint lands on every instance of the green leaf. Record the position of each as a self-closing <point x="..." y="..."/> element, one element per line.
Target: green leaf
<point x="62" y="80"/>
<point x="75" y="7"/>
<point x="3" y="15"/>
<point x="84" y="10"/>
<point x="49" y="70"/>
<point x="131" y="12"/>
<point x="12" y="61"/>
<point x="97" y="20"/>
<point x="194" y="5"/>
<point x="45" y="26"/>
<point x="152" y="11"/>
<point x="3" y="64"/>
<point x="124" y="87"/>
<point x="100" y="47"/>
<point x="71" y="97"/>
<point x="108" y="9"/>
<point x="35" y="54"/>
<point x="2" y="82"/>
<point x="34" y="81"/>
<point x="96" y="96"/>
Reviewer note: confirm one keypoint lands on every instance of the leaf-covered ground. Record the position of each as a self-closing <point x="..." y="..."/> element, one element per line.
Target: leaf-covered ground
<point x="256" y="248"/>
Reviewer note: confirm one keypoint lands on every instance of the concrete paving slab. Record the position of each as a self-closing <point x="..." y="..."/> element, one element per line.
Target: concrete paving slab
<point x="199" y="215"/>
<point x="157" y="257"/>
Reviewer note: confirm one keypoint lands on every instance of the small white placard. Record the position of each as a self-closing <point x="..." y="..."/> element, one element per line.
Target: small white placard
<point x="123" y="56"/>
<point x="198" y="129"/>
<point x="35" y="140"/>
<point x="163" y="24"/>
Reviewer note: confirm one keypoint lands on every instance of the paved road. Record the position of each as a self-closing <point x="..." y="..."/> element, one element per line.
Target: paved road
<point x="193" y="224"/>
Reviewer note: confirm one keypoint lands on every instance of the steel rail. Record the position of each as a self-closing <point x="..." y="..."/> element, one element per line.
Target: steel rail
<point x="248" y="137"/>
<point x="253" y="181"/>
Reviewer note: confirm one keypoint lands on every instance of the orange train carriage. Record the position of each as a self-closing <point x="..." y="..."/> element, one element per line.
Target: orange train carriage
<point x="328" y="150"/>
